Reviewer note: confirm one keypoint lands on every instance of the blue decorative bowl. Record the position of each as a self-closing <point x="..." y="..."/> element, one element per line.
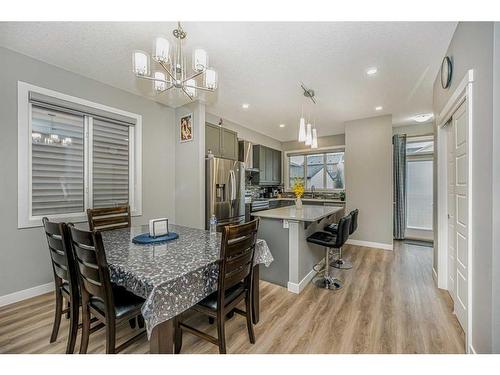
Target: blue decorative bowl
<point x="146" y="239"/>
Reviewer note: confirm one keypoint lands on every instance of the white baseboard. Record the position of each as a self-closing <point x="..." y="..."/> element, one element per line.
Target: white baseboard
<point x="297" y="288"/>
<point x="376" y="245"/>
<point x="434" y="275"/>
<point x="26" y="293"/>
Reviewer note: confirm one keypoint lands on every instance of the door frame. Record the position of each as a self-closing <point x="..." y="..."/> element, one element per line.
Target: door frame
<point x="464" y="91"/>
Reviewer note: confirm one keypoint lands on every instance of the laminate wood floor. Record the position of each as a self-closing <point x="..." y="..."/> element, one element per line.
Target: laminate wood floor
<point x="389" y="304"/>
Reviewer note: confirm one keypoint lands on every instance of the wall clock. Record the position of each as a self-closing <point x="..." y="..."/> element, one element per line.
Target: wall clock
<point x="446" y="72"/>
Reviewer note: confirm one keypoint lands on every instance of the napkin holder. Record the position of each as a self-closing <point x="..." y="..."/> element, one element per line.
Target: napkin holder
<point x="158" y="227"/>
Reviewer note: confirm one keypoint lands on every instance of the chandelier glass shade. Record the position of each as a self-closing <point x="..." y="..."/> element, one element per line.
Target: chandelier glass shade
<point x="174" y="71"/>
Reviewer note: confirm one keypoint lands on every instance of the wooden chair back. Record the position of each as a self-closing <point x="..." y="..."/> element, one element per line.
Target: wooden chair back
<point x="237" y="255"/>
<point x="63" y="262"/>
<point x="108" y="218"/>
<point x="92" y="267"/>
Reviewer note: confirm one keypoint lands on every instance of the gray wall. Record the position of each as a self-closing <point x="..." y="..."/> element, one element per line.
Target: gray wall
<point x="24" y="258"/>
<point x="244" y="133"/>
<point x="414" y="130"/>
<point x="327" y="141"/>
<point x="368" y="175"/>
<point x="472" y="48"/>
<point x="190" y="169"/>
<point x="496" y="195"/>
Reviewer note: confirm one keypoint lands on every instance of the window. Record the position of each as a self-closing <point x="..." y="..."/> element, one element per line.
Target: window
<point x="419" y="154"/>
<point x="419" y="194"/>
<point x="78" y="155"/>
<point x="324" y="171"/>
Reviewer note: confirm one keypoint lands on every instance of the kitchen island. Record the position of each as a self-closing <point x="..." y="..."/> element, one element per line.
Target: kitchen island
<point x="285" y="230"/>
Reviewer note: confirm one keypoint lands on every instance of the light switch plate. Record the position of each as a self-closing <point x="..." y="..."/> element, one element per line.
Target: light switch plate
<point x="285" y="224"/>
<point x="158" y="227"/>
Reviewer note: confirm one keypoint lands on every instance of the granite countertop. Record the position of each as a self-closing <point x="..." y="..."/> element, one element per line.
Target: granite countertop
<point x="308" y="213"/>
<point x="309" y="200"/>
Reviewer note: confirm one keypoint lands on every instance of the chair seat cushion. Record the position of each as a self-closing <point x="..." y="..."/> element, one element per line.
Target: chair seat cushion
<point x="125" y="302"/>
<point x="231" y="294"/>
<point x="323" y="239"/>
<point x="332" y="228"/>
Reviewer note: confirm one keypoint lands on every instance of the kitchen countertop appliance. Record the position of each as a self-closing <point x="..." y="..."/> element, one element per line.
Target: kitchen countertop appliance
<point x="225" y="192"/>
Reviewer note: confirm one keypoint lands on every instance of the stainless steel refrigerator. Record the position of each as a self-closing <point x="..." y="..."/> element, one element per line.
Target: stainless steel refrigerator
<point x="225" y="192"/>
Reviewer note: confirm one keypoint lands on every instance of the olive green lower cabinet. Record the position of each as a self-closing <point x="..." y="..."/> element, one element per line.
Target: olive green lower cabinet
<point x="222" y="142"/>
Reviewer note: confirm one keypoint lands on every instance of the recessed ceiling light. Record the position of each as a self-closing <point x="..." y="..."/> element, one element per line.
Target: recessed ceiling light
<point x="379" y="108"/>
<point x="423" y="117"/>
<point x="371" y="71"/>
<point x="245" y="106"/>
<point x="282" y="125"/>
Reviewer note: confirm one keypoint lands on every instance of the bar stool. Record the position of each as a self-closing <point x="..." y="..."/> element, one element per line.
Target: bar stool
<point x="331" y="241"/>
<point x="332" y="228"/>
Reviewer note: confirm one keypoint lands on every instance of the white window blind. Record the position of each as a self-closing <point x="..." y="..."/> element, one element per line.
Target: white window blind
<point x="110" y="164"/>
<point x="57" y="179"/>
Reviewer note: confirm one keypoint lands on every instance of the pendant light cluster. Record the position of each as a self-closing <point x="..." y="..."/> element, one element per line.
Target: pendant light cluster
<point x="307" y="132"/>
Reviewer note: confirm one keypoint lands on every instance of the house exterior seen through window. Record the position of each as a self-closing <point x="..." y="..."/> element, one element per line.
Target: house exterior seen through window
<point x="324" y="171"/>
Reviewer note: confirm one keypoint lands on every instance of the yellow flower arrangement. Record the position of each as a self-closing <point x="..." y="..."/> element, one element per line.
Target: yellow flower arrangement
<point x="298" y="187"/>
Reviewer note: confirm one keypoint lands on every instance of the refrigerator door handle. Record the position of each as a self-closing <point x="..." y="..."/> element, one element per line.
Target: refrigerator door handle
<point x="233" y="185"/>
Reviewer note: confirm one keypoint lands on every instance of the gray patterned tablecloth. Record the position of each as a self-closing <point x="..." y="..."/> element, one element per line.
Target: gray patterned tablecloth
<point x="172" y="276"/>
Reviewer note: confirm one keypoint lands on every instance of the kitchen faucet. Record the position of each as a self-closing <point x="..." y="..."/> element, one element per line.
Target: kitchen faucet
<point x="313" y="190"/>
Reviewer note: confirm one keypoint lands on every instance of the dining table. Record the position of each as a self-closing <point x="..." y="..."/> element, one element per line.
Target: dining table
<point x="172" y="276"/>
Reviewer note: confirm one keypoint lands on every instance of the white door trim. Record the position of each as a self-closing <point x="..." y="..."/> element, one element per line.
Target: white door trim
<point x="464" y="91"/>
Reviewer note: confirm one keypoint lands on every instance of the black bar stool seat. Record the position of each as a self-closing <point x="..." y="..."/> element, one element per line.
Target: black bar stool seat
<point x="329" y="241"/>
<point x="333" y="228"/>
<point x="322" y="239"/>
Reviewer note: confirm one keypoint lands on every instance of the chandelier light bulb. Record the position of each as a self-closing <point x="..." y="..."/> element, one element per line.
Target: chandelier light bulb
<point x="191" y="90"/>
<point x="211" y="79"/>
<point x="302" y="130"/>
<point x="36" y="137"/>
<point x="308" y="134"/>
<point x="200" y="60"/>
<point x="159" y="83"/>
<point x="161" y="48"/>
<point x="314" y="143"/>
<point x="140" y="63"/>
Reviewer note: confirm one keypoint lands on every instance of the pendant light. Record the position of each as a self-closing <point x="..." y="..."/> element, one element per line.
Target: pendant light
<point x="314" y="143"/>
<point x="302" y="130"/>
<point x="308" y="134"/>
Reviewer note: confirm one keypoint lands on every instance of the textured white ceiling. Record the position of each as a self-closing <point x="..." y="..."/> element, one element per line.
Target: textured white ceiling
<point x="262" y="64"/>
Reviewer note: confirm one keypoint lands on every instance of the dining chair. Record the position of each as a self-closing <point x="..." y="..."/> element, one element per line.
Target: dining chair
<point x="234" y="285"/>
<point x="65" y="279"/>
<point x="111" y="304"/>
<point x="108" y="218"/>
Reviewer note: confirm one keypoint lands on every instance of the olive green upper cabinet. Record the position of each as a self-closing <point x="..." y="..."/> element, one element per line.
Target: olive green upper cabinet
<point x="212" y="139"/>
<point x="229" y="144"/>
<point x="222" y="142"/>
<point x="269" y="164"/>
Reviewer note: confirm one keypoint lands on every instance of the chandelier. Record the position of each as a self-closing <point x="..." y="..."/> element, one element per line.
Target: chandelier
<point x="307" y="132"/>
<point x="175" y="72"/>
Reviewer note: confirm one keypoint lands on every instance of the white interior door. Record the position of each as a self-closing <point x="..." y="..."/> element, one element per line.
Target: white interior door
<point x="451" y="211"/>
<point x="460" y="208"/>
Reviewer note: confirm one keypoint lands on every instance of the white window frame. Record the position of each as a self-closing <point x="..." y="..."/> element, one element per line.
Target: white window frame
<point x="319" y="150"/>
<point x="25" y="219"/>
